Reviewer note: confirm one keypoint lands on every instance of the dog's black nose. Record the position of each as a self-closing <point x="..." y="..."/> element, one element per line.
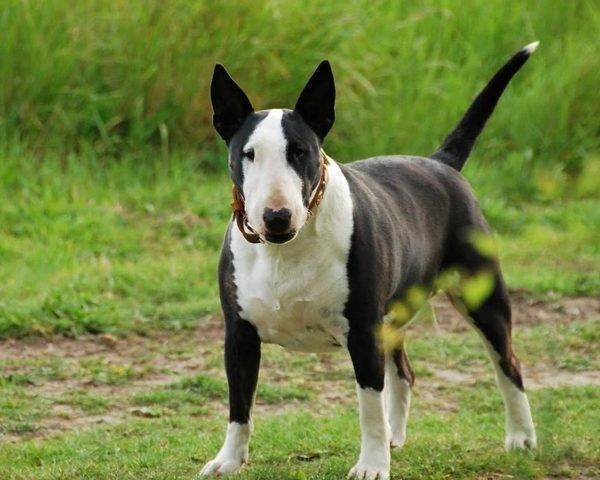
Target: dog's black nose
<point x="277" y="221"/>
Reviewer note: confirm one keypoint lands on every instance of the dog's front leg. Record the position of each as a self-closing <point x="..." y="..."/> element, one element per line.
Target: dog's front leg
<point x="368" y="360"/>
<point x="242" y="359"/>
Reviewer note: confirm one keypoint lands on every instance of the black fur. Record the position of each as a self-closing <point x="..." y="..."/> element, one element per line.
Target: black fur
<point x="242" y="343"/>
<point x="230" y="104"/>
<point x="237" y="142"/>
<point x="457" y="146"/>
<point x="316" y="102"/>
<point x="303" y="151"/>
<point x="412" y="217"/>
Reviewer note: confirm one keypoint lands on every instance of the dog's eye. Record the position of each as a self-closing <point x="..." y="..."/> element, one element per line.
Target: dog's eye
<point x="249" y="154"/>
<point x="298" y="153"/>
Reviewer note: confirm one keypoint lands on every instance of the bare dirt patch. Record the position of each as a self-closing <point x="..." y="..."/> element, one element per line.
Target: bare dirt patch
<point x="162" y="358"/>
<point x="525" y="310"/>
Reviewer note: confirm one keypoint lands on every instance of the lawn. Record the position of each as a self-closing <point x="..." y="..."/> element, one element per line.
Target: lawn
<point x="111" y="363"/>
<point x="114" y="199"/>
<point x="154" y="407"/>
<point x="88" y="246"/>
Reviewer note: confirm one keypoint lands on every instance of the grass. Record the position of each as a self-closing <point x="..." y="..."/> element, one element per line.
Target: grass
<point x="129" y="247"/>
<point x="99" y="246"/>
<point x="114" y="200"/>
<point x="112" y="77"/>
<point x="306" y="423"/>
<point x="125" y="246"/>
<point x="170" y="448"/>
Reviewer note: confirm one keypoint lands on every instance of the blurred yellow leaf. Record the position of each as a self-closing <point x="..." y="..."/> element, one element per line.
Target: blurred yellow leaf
<point x="399" y="314"/>
<point x="416" y="296"/>
<point x="477" y="288"/>
<point x="484" y="243"/>
<point x="390" y="337"/>
<point x="447" y="279"/>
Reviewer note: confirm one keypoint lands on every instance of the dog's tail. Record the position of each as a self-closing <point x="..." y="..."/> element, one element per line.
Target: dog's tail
<point x="457" y="146"/>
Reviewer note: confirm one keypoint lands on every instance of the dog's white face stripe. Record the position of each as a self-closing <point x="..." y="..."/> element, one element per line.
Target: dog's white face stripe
<point x="269" y="180"/>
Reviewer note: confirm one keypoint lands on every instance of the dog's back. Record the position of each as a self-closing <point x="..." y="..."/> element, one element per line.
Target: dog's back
<point x="416" y="213"/>
<point x="408" y="210"/>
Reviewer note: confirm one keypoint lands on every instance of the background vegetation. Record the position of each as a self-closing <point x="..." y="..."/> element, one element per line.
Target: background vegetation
<point x="112" y="76"/>
<point x="114" y="199"/>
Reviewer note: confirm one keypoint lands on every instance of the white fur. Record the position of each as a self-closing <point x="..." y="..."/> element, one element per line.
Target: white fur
<point x="234" y="452"/>
<point x="520" y="431"/>
<point x="530" y="48"/>
<point x="269" y="180"/>
<point x="398" y="402"/>
<point x="374" y="460"/>
<point x="294" y="293"/>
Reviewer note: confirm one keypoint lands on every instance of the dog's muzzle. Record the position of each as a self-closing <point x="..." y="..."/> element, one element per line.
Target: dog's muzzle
<point x="277" y="222"/>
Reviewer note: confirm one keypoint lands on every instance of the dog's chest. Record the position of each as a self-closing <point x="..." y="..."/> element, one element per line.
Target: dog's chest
<point x="297" y="303"/>
<point x="295" y="294"/>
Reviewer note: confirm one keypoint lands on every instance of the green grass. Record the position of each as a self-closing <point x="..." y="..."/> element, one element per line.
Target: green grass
<point x="88" y="245"/>
<point x="93" y="246"/>
<point x="169" y="431"/>
<point x="464" y="444"/>
<point x="114" y="201"/>
<point x="111" y="76"/>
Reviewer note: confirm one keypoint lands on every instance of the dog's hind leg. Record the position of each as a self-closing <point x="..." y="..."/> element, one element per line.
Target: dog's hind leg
<point x="492" y="319"/>
<point x="399" y="379"/>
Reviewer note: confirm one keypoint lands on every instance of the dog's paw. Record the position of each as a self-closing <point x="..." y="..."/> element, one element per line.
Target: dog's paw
<point x="397" y="440"/>
<point x="221" y="466"/>
<point x="365" y="471"/>
<point x="520" y="440"/>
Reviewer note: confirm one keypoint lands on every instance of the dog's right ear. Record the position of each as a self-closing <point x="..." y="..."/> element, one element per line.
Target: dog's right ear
<point x="230" y="104"/>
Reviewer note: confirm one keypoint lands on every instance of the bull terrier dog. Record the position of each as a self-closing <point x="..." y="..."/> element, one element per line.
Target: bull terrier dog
<point x="318" y="251"/>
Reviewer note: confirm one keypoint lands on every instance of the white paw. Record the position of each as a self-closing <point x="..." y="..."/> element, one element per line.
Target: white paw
<point x="365" y="471"/>
<point x="221" y="466"/>
<point x="233" y="454"/>
<point x="398" y="440"/>
<point x="520" y="440"/>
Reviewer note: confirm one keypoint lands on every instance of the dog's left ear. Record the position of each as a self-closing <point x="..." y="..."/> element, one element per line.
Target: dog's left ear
<point x="230" y="104"/>
<point x="316" y="104"/>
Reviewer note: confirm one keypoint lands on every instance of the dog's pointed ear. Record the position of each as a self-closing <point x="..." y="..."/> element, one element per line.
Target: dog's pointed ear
<point x="316" y="104"/>
<point x="230" y="104"/>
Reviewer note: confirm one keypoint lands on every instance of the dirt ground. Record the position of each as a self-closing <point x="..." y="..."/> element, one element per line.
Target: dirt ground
<point x="165" y="357"/>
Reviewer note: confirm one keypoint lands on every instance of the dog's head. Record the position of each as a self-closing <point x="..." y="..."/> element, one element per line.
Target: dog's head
<point x="275" y="155"/>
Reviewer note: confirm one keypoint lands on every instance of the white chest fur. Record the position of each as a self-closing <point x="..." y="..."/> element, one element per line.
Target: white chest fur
<point x="294" y="294"/>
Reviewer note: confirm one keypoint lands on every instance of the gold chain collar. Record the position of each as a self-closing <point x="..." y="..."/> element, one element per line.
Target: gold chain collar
<point x="238" y="205"/>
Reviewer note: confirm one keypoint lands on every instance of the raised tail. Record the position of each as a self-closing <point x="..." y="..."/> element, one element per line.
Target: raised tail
<point x="457" y="146"/>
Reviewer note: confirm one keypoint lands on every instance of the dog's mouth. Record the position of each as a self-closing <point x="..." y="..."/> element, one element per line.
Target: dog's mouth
<point x="280" y="237"/>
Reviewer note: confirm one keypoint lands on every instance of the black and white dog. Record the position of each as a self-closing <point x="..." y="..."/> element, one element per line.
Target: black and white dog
<point x="318" y="251"/>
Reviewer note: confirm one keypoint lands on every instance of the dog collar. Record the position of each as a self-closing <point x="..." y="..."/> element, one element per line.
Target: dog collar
<point x="238" y="206"/>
